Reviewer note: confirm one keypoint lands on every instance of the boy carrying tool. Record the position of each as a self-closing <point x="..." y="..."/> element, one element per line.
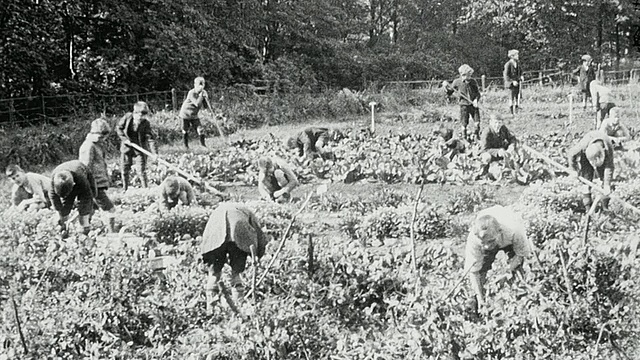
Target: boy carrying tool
<point x="593" y="154"/>
<point x="512" y="75"/>
<point x="196" y="99"/>
<point x="466" y="89"/>
<point x="135" y="128"/>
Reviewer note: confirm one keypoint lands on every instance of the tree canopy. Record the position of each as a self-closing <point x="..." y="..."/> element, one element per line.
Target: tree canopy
<point x="53" y="46"/>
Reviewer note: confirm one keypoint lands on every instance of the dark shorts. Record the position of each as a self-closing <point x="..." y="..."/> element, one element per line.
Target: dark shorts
<point x="515" y="90"/>
<point x="490" y="256"/>
<point x="469" y="110"/>
<point x="227" y="253"/>
<point x="605" y="108"/>
<point x="190" y="124"/>
<point x="102" y="200"/>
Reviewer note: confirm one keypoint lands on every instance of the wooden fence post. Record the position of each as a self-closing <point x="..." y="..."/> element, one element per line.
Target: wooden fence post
<point x="540" y="77"/>
<point x="174" y="100"/>
<point x="44" y="114"/>
<point x="483" y="78"/>
<point x="570" y="108"/>
<point x="11" y="111"/>
<point x="373" y="116"/>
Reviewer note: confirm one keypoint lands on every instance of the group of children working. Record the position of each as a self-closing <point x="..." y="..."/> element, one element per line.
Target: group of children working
<point x="497" y="228"/>
<point x="233" y="231"/>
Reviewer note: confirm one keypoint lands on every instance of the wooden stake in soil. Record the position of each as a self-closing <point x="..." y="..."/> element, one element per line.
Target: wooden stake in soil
<point x="414" y="214"/>
<point x="282" y="241"/>
<point x="310" y="256"/>
<point x="373" y="116"/>
<point x="567" y="281"/>
<point x="255" y="271"/>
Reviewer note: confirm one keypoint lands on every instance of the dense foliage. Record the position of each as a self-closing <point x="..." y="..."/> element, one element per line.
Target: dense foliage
<point x="117" y="46"/>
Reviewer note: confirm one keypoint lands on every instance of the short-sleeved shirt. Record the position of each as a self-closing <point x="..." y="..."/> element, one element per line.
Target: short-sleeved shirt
<point x="610" y="129"/>
<point x="36" y="186"/>
<point x="600" y="93"/>
<point x="191" y="106"/>
<point x="513" y="233"/>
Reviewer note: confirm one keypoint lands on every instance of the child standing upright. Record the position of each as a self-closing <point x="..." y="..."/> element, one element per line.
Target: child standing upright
<point x="196" y="99"/>
<point x="587" y="74"/>
<point x="512" y="78"/>
<point x="92" y="155"/>
<point x="135" y="128"/>
<point x="466" y="89"/>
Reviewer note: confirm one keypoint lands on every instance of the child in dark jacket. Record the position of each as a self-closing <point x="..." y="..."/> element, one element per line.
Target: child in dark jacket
<point x="135" y="128"/>
<point x="466" y="89"/>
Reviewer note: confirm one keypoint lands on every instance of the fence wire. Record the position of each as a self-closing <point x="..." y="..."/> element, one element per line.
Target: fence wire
<point x="25" y="111"/>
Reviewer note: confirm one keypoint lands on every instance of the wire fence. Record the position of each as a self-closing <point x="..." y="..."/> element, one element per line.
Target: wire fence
<point x="25" y="111"/>
<point x="550" y="77"/>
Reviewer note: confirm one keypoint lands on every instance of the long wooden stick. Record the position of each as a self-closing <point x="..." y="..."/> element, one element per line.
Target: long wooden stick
<point x="254" y="272"/>
<point x="15" y="313"/>
<point x="567" y="281"/>
<point x="177" y="169"/>
<point x="412" y="235"/>
<point x="580" y="178"/>
<point x="282" y="241"/>
<point x="458" y="283"/>
<point x="215" y="121"/>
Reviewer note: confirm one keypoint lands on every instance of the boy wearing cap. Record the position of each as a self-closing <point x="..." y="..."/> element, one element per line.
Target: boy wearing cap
<point x="593" y="154"/>
<point x="586" y="75"/>
<point x="230" y="233"/>
<point x="196" y="99"/>
<point x="30" y="190"/>
<point x="602" y="100"/>
<point x="494" y="229"/>
<point x="466" y="89"/>
<point x="73" y="180"/>
<point x="91" y="154"/>
<point x="135" y="128"/>
<point x="512" y="75"/>
<point x="175" y="189"/>
<point x="275" y="179"/>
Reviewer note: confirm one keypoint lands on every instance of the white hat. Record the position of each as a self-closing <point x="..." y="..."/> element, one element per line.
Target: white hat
<point x="512" y="53"/>
<point x="586" y="57"/>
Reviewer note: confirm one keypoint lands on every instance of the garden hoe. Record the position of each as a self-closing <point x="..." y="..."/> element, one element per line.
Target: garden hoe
<point x="210" y="188"/>
<point x="580" y="178"/>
